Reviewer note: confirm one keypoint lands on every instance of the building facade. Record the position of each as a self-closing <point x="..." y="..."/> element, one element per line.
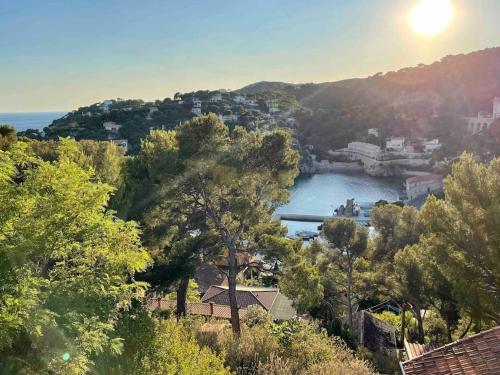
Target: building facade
<point x="422" y="185"/>
<point x="483" y="120"/>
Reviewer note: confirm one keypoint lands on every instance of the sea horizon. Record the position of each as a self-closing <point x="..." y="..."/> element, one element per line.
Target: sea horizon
<point x="22" y="121"/>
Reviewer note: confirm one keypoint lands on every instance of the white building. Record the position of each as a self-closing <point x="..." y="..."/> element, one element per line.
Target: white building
<point x="363" y="149"/>
<point x="121" y="143"/>
<point x="251" y="102"/>
<point x="196" y="109"/>
<point x="106" y="104"/>
<point x="217" y="97"/>
<point x="373" y="131"/>
<point x="431" y="145"/>
<point x="111" y="126"/>
<point x="395" y="144"/>
<point x="228" y="118"/>
<point x="422" y="185"/>
<point x="273" y="105"/>
<point x="483" y="120"/>
<point x="239" y="99"/>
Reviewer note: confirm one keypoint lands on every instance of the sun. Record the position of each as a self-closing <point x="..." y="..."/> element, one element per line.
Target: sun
<point x="430" y="17"/>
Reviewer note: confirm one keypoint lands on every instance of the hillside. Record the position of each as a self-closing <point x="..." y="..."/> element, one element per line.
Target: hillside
<point x="422" y="101"/>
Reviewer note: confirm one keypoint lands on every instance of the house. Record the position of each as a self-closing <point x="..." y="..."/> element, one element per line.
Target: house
<point x="196" y="108"/>
<point x="228" y="118"/>
<point x="373" y="131"/>
<point x="270" y="299"/>
<point x="111" y="126"/>
<point x="208" y="310"/>
<point x="483" y="120"/>
<point x="395" y="144"/>
<point x="431" y="145"/>
<point x="217" y="97"/>
<point x="422" y="185"/>
<point x="106" y="104"/>
<point x="239" y="99"/>
<point x="375" y="334"/>
<point x="273" y="105"/>
<point x="478" y="354"/>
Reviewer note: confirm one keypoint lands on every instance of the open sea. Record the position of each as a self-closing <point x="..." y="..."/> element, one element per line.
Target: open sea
<point x="29" y="120"/>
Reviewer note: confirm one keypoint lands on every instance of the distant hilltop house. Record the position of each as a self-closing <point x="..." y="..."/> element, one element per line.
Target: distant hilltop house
<point x="239" y="99"/>
<point x="217" y="97"/>
<point x="111" y="126"/>
<point x="196" y="109"/>
<point x="423" y="185"/>
<point x="273" y="105"/>
<point x="106" y="104"/>
<point x="477" y="354"/>
<point x="121" y="143"/>
<point x="228" y="118"/>
<point x="483" y="120"/>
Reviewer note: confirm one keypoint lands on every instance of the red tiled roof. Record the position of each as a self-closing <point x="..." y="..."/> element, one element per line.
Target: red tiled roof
<point x="423" y="178"/>
<point x="198" y="308"/>
<point x="478" y="355"/>
<point x="246" y="296"/>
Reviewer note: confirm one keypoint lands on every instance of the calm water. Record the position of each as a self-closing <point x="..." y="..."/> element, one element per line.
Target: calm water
<point x="29" y="120"/>
<point x="320" y="194"/>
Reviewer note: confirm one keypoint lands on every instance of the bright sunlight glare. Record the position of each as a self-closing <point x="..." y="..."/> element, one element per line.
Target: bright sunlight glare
<point x="430" y="17"/>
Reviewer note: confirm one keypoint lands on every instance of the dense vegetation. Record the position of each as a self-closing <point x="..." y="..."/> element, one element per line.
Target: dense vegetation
<point x="88" y="235"/>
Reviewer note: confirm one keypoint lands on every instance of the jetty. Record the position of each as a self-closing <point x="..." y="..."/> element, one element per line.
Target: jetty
<point x="319" y="218"/>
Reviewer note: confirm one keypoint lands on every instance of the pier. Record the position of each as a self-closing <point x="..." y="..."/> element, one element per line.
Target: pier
<point x="318" y="218"/>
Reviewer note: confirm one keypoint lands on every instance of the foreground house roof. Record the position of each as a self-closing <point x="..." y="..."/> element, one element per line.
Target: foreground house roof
<point x="478" y="354"/>
<point x="269" y="299"/>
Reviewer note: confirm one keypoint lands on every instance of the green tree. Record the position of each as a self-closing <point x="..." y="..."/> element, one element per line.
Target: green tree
<point x="240" y="178"/>
<point x="7" y="136"/>
<point x="464" y="234"/>
<point x="67" y="265"/>
<point x="348" y="242"/>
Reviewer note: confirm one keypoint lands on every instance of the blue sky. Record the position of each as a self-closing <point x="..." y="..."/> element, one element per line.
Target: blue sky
<point x="58" y="55"/>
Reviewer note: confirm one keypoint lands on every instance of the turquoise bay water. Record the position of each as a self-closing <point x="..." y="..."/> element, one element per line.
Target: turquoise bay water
<point x="320" y="194"/>
<point x="29" y="120"/>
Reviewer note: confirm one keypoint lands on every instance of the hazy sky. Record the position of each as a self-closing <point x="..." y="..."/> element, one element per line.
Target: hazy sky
<point x="58" y="55"/>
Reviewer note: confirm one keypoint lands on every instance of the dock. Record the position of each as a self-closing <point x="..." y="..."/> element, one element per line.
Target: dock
<point x="299" y="217"/>
<point x="318" y="218"/>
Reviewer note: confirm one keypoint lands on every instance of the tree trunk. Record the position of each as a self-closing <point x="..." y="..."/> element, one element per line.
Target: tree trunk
<point x="420" y="324"/>
<point x="403" y="326"/>
<point x="181" y="296"/>
<point x="349" y="294"/>
<point x="233" y="303"/>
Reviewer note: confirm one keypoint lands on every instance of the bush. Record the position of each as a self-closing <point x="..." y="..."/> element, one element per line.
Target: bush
<point x="160" y="347"/>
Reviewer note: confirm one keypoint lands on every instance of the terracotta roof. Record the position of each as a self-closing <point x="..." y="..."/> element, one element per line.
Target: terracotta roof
<point x="268" y="298"/>
<point x="478" y="354"/>
<point x="424" y="178"/>
<point x="211" y="310"/>
<point x="246" y="296"/>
